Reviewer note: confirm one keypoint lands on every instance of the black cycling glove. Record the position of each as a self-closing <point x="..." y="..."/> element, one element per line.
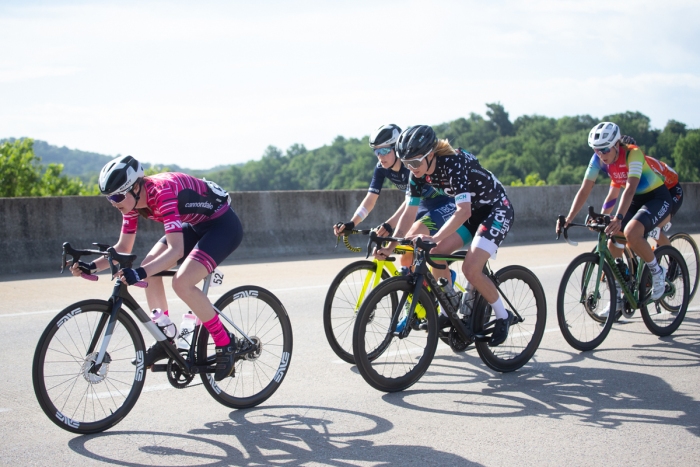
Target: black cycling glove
<point x="347" y="225"/>
<point x="132" y="276"/>
<point x="387" y="227"/>
<point x="87" y="268"/>
<point x="626" y="139"/>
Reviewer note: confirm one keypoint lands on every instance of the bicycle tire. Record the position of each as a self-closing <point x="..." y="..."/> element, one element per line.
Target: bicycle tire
<point x="257" y="376"/>
<point x="522" y="289"/>
<point x="669" y="311"/>
<point x="74" y="398"/>
<point x="687" y="247"/>
<point x="385" y="361"/>
<point x="578" y="310"/>
<point x="341" y="305"/>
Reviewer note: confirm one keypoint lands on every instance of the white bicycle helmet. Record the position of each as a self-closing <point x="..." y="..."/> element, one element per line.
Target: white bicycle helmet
<point x="604" y="135"/>
<point x="384" y="136"/>
<point x="119" y="175"/>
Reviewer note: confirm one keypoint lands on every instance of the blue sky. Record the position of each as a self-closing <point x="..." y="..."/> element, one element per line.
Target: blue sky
<point x="201" y="84"/>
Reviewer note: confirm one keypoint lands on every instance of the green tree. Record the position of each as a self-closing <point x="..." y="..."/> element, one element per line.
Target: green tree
<point x="687" y="157"/>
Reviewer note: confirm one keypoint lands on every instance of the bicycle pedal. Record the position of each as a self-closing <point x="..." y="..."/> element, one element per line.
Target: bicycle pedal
<point x="159" y="367"/>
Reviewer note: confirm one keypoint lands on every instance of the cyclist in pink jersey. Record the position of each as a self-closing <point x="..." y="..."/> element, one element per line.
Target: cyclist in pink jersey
<point x="644" y="204"/>
<point x="201" y="230"/>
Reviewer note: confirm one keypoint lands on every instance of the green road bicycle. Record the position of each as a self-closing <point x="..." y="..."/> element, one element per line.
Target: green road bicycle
<point x="354" y="282"/>
<point x="394" y="341"/>
<point x="588" y="290"/>
<point x="88" y="369"/>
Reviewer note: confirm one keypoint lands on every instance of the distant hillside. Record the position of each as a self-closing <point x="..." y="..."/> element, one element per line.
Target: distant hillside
<point x="76" y="163"/>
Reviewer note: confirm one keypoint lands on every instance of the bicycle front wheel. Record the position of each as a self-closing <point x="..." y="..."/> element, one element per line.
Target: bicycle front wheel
<point x="687" y="247"/>
<point x="345" y="295"/>
<point x="584" y="303"/>
<point x="260" y="370"/>
<point x="665" y="315"/>
<point x="74" y="393"/>
<point x="523" y="295"/>
<point x="387" y="361"/>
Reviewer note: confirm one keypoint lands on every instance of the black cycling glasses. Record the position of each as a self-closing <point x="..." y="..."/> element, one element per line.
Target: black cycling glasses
<point x="382" y="151"/>
<point x="117" y="197"/>
<point x="603" y="151"/>
<point x="415" y="163"/>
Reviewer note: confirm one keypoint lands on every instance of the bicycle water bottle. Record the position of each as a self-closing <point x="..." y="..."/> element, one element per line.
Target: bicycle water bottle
<point x="164" y="323"/>
<point x="468" y="299"/>
<point x="184" y="340"/>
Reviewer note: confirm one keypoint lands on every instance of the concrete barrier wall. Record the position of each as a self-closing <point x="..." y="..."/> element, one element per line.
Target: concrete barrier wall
<point x="276" y="224"/>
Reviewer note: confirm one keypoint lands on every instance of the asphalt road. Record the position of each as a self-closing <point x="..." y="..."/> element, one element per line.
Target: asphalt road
<point x="633" y="401"/>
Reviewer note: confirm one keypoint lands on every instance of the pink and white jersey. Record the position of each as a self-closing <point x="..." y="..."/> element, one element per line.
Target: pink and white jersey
<point x="174" y="198"/>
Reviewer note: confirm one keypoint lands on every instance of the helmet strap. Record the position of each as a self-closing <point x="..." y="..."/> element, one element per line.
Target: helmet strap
<point x="430" y="162"/>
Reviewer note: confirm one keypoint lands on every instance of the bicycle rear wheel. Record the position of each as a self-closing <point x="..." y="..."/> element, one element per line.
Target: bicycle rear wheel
<point x="260" y="370"/>
<point x="386" y="361"/>
<point x="665" y="315"/>
<point x="523" y="295"/>
<point x="581" y="302"/>
<point x="72" y="392"/>
<point x="687" y="247"/>
<point x="344" y="297"/>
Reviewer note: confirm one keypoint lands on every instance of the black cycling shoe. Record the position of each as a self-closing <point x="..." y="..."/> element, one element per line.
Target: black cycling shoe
<point x="154" y="353"/>
<point x="224" y="359"/>
<point x="500" y="330"/>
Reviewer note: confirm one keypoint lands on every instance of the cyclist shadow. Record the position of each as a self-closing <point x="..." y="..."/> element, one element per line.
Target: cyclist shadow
<point x="600" y="397"/>
<point x="266" y="435"/>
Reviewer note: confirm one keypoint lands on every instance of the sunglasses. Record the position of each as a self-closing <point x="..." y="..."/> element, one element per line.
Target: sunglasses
<point x="603" y="151"/>
<point x="382" y="151"/>
<point x="117" y="198"/>
<point x="415" y="163"/>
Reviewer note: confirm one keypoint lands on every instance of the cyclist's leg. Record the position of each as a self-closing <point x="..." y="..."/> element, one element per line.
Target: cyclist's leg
<point x="677" y="197"/>
<point x="155" y="292"/>
<point x="646" y="212"/>
<point x="218" y="238"/>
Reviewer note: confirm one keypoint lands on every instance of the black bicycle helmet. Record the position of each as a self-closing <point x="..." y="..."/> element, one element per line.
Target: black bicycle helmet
<point x="415" y="141"/>
<point x="385" y="135"/>
<point x="119" y="175"/>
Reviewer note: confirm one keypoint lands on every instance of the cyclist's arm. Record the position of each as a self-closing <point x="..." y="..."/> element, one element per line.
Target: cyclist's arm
<point x="611" y="199"/>
<point x="627" y="195"/>
<point x="404" y="224"/>
<point x="460" y="216"/>
<point x="361" y="212"/>
<point x="583" y="192"/>
<point x="168" y="258"/>
<point x="394" y="219"/>
<point x="124" y="245"/>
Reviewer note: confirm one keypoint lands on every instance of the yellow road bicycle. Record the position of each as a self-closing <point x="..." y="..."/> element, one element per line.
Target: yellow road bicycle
<point x="355" y="281"/>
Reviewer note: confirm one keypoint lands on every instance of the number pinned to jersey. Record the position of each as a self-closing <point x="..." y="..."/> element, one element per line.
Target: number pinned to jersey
<point x="217" y="278"/>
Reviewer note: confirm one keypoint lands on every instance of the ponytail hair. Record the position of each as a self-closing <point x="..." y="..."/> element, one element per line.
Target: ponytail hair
<point x="443" y="148"/>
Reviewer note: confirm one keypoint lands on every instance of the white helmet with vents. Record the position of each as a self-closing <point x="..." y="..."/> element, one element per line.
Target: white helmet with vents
<point x="604" y="135"/>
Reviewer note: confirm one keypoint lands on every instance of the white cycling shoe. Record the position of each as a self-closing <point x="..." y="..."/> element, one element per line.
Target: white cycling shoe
<point x="658" y="284"/>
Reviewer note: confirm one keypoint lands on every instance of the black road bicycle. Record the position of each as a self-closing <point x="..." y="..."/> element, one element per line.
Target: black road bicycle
<point x="88" y="369"/>
<point x="396" y="329"/>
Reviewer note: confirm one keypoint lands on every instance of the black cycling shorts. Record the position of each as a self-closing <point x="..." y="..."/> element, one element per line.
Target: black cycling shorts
<point x="490" y="224"/>
<point x="650" y="208"/>
<point x="677" y="195"/>
<point x="211" y="242"/>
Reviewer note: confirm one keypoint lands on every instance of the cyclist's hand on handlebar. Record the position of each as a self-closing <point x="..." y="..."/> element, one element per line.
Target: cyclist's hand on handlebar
<point x="614" y="226"/>
<point x="382" y="254"/>
<point x="384" y="229"/>
<point x="132" y="276"/>
<point x="340" y="227"/>
<point x="75" y="269"/>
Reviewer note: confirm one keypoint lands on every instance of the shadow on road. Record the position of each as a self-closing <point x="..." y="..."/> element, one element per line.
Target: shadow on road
<point x="290" y="435"/>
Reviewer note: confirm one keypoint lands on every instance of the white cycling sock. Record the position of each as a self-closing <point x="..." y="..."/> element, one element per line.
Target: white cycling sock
<point x="499" y="309"/>
<point x="654" y="267"/>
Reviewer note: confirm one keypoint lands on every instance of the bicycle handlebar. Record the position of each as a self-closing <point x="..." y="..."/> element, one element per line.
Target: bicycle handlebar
<point x="417" y="243"/>
<point x="346" y="233"/>
<point x="594" y="221"/>
<point x="123" y="260"/>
